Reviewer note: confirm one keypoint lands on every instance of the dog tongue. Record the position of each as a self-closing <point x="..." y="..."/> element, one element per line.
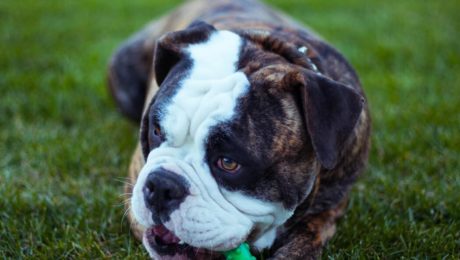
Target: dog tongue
<point x="166" y="236"/>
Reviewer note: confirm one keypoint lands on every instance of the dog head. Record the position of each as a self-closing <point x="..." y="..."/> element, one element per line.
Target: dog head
<point x="233" y="140"/>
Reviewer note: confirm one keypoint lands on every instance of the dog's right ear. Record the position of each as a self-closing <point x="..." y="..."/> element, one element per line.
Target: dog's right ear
<point x="331" y="111"/>
<point x="171" y="48"/>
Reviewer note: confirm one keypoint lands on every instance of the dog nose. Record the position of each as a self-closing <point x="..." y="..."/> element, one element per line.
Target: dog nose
<point x="164" y="191"/>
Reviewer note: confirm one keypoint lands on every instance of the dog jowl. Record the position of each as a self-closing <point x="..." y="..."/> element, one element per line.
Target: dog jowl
<point x="251" y="130"/>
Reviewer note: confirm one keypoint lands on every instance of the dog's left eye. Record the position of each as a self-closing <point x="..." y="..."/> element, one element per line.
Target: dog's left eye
<point x="157" y="131"/>
<point x="228" y="165"/>
<point x="156" y="137"/>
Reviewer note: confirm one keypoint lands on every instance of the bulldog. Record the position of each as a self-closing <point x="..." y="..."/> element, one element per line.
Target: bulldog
<point x="252" y="129"/>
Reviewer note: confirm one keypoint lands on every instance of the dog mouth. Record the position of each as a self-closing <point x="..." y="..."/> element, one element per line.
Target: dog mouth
<point x="169" y="246"/>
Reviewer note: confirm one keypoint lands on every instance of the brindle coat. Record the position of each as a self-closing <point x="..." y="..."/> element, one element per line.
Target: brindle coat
<point x="271" y="59"/>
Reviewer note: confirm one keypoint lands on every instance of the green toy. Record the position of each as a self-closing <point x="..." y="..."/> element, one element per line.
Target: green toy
<point x="239" y="253"/>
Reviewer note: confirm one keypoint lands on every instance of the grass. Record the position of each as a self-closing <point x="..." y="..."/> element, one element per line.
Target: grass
<point x="65" y="150"/>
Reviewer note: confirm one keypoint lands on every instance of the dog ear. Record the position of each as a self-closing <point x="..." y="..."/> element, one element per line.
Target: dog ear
<point x="129" y="72"/>
<point x="331" y="111"/>
<point x="170" y="48"/>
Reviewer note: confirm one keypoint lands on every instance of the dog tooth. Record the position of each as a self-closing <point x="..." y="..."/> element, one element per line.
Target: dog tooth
<point x="181" y="242"/>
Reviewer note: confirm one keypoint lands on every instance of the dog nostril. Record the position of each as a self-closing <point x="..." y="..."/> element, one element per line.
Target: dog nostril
<point x="167" y="195"/>
<point x="173" y="194"/>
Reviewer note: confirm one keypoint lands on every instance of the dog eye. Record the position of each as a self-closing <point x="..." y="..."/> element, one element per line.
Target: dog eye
<point x="157" y="131"/>
<point x="228" y="165"/>
<point x="156" y="137"/>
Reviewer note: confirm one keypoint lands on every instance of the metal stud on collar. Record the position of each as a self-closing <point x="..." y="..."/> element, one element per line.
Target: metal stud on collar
<point x="304" y="50"/>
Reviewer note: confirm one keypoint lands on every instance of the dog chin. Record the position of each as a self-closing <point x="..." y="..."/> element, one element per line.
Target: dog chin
<point x="195" y="233"/>
<point x="161" y="243"/>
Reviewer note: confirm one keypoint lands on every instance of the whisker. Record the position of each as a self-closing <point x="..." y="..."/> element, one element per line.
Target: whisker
<point x="122" y="178"/>
<point x="124" y="215"/>
<point x="123" y="202"/>
<point x="125" y="194"/>
<point x="124" y="181"/>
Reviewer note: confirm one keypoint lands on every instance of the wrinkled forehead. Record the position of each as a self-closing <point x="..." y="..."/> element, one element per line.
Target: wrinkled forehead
<point x="207" y="91"/>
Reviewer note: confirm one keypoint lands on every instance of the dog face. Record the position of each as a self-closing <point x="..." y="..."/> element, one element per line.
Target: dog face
<point x="233" y="142"/>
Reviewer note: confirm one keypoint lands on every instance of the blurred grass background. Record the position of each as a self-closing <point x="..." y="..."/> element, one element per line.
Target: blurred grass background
<point x="64" y="149"/>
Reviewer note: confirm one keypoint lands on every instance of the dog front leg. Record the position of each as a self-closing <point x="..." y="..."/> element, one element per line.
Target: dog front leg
<point x="306" y="237"/>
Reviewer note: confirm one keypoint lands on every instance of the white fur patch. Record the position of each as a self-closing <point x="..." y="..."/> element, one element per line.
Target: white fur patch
<point x="266" y="216"/>
<point x="210" y="217"/>
<point x="208" y="95"/>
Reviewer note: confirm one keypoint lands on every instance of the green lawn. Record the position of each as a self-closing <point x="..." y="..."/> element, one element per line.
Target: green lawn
<point x="64" y="149"/>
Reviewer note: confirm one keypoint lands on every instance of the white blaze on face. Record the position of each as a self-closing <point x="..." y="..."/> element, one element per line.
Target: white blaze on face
<point x="210" y="217"/>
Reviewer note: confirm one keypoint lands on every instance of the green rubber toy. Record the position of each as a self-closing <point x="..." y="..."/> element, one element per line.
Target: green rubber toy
<point x="240" y="253"/>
